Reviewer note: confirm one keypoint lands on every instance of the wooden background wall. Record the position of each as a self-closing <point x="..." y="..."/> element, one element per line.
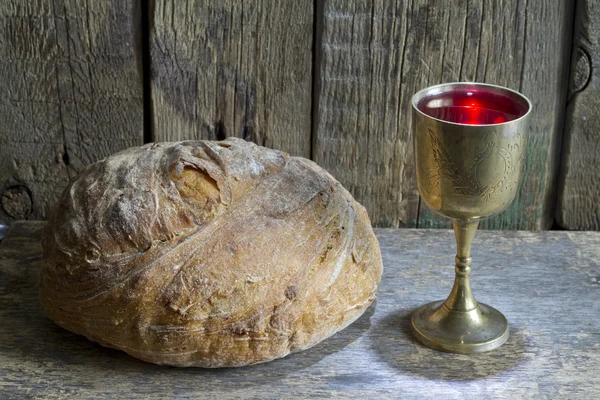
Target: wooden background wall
<point x="329" y="80"/>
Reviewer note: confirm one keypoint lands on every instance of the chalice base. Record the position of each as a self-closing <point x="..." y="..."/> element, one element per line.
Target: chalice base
<point x="465" y="332"/>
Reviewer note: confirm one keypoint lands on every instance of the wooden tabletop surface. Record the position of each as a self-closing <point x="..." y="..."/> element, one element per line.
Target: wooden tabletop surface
<point x="546" y="283"/>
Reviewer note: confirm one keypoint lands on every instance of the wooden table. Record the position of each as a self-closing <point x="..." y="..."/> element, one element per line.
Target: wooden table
<point x="546" y="283"/>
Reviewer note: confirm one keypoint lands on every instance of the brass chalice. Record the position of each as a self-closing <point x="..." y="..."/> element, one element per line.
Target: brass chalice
<point x="469" y="143"/>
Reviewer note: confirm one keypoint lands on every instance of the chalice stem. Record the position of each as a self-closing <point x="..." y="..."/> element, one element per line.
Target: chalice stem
<point x="461" y="298"/>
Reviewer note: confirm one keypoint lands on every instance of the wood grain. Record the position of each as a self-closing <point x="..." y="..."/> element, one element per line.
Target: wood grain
<point x="232" y="68"/>
<point x="579" y="187"/>
<point x="373" y="57"/>
<point x="546" y="283"/>
<point x="70" y="93"/>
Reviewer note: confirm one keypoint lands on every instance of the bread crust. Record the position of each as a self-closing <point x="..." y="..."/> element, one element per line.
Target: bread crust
<point x="209" y="254"/>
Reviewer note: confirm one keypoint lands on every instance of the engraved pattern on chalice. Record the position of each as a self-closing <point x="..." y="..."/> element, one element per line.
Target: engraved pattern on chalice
<point x="478" y="180"/>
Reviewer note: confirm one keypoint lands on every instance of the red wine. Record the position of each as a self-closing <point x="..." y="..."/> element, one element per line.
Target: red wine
<point x="472" y="107"/>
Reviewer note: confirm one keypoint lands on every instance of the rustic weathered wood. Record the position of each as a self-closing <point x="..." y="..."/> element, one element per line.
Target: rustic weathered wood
<point x="579" y="187"/>
<point x="70" y="93"/>
<point x="232" y="68"/>
<point x="547" y="284"/>
<point x="373" y="56"/>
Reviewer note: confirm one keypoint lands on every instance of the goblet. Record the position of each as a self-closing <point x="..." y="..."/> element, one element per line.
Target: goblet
<point x="469" y="141"/>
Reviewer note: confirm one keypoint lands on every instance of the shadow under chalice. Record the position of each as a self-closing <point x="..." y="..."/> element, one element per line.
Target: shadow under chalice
<point x="395" y="344"/>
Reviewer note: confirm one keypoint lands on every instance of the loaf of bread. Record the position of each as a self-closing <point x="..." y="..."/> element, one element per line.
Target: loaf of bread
<point x="207" y="254"/>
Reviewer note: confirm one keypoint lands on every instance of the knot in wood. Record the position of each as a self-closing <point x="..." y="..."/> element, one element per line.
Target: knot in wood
<point x="16" y="202"/>
<point x="582" y="71"/>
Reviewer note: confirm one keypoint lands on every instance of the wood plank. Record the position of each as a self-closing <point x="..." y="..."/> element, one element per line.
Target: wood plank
<point x="232" y="68"/>
<point x="374" y="57"/>
<point x="71" y="94"/>
<point x="546" y="283"/>
<point x="579" y="187"/>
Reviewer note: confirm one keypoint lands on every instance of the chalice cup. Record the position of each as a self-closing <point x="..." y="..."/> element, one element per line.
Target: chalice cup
<point x="469" y="141"/>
